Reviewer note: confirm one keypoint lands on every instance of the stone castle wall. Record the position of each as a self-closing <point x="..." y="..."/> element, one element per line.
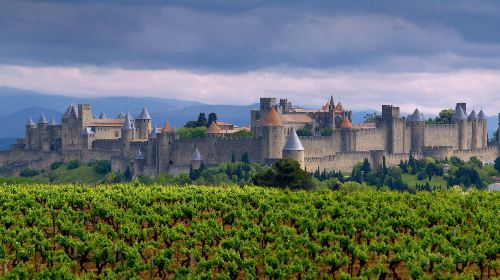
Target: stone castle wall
<point x="440" y="135"/>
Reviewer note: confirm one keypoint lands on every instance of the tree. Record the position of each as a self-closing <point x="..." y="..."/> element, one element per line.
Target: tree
<point x="303" y="132"/>
<point x="242" y="133"/>
<point x="191" y="124"/>
<point x="233" y="159"/>
<point x="202" y="120"/>
<point x="445" y="117"/>
<point x="497" y="164"/>
<point x="370" y="118"/>
<point x="366" y="166"/>
<point x="102" y="167"/>
<point x="128" y="174"/>
<point x="285" y="173"/>
<point x="326" y="132"/>
<point x="212" y="117"/>
<point x="245" y="158"/>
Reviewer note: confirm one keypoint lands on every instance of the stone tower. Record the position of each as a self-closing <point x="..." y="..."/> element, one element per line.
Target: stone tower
<point x="347" y="135"/>
<point x="417" y="127"/>
<point x="293" y="148"/>
<point x="31" y="134"/>
<point x="164" y="145"/>
<point x="483" y="129"/>
<point x="476" y="137"/>
<point x="273" y="136"/>
<point x="152" y="151"/>
<point x="143" y="124"/>
<point x="85" y="114"/>
<point x="460" y="121"/>
<point x="128" y="133"/>
<point x="394" y="127"/>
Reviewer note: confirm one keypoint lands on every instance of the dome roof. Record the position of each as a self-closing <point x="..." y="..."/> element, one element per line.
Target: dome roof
<point x="272" y="119"/>
<point x="293" y="142"/>
<point x="346" y="123"/>
<point x="214" y="129"/>
<point x="196" y="154"/>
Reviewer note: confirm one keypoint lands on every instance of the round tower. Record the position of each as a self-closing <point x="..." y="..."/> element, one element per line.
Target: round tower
<point x="31" y="139"/>
<point x="127" y="133"/>
<point x="143" y="124"/>
<point x="273" y="136"/>
<point x="346" y="134"/>
<point x="460" y="121"/>
<point x="417" y="127"/>
<point x="293" y="148"/>
<point x="482" y="128"/>
<point x="476" y="140"/>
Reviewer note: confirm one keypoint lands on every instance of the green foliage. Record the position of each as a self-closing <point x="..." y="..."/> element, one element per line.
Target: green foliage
<point x="444" y="117"/>
<point x="245" y="158"/>
<point x="55" y="165"/>
<point x="73" y="164"/>
<point x="497" y="164"/>
<point x="28" y="172"/>
<point x="285" y="173"/>
<point x="370" y="118"/>
<point x="212" y="117"/>
<point x="303" y="132"/>
<point x="241" y="133"/>
<point x="202" y="120"/>
<point x="134" y="231"/>
<point x="190" y="133"/>
<point x="326" y="132"/>
<point x="102" y="167"/>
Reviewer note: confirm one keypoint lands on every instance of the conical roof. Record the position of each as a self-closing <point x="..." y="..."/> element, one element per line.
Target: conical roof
<point x="339" y="107"/>
<point x="121" y="115"/>
<point x="167" y="127"/>
<point x="42" y="120"/>
<point x="129" y="122"/>
<point x="459" y="114"/>
<point x="346" y="123"/>
<point x="30" y="122"/>
<point x="196" y="154"/>
<point x="138" y="155"/>
<point x="472" y="115"/>
<point x="293" y="142"/>
<point x="68" y="110"/>
<point x="214" y="129"/>
<point x="416" y="117"/>
<point x="272" y="119"/>
<point x="152" y="135"/>
<point x="144" y="115"/>
<point x="73" y="112"/>
<point x="103" y="115"/>
<point x="482" y="115"/>
<point x="53" y="121"/>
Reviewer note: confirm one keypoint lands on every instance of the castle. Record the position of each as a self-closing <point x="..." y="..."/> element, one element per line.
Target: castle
<point x="134" y="143"/>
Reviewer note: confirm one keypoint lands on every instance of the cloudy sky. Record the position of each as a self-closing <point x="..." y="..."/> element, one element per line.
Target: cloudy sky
<point x="412" y="53"/>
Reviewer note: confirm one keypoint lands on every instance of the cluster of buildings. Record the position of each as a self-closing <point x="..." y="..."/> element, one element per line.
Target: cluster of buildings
<point x="133" y="142"/>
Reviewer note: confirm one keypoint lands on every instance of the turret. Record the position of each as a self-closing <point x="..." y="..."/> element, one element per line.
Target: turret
<point x="42" y="121"/>
<point x="138" y="163"/>
<point x="84" y="114"/>
<point x="347" y="135"/>
<point x="164" y="143"/>
<point x="127" y="133"/>
<point x="394" y="125"/>
<point x="273" y="136"/>
<point x="476" y="137"/>
<point x="152" y="151"/>
<point x="103" y="115"/>
<point x="417" y="127"/>
<point x="293" y="148"/>
<point x="483" y="129"/>
<point x="196" y="159"/>
<point x="143" y="124"/>
<point x="31" y="138"/>
<point x="460" y="121"/>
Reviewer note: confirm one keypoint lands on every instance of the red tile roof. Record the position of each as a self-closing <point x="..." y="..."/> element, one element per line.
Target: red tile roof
<point x="272" y="119"/>
<point x="214" y="129"/>
<point x="346" y="123"/>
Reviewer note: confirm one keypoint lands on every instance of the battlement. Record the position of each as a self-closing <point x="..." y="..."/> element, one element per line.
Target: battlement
<point x="440" y="125"/>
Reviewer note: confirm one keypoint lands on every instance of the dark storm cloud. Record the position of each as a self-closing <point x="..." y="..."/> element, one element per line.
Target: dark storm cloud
<point x="248" y="35"/>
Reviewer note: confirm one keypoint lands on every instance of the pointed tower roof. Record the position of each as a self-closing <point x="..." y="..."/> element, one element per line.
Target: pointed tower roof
<point x="167" y="127"/>
<point x="416" y="117"/>
<point x="42" y="119"/>
<point x="293" y="142"/>
<point x="144" y="115"/>
<point x="103" y="115"/>
<point x="472" y="115"/>
<point x="152" y="135"/>
<point x="68" y="110"/>
<point x="482" y="115"/>
<point x="30" y="122"/>
<point x="53" y="121"/>
<point x="346" y="123"/>
<point x="196" y="154"/>
<point x="138" y="155"/>
<point x="339" y="107"/>
<point x="331" y="104"/>
<point x="73" y="112"/>
<point x="214" y="129"/>
<point x="272" y="119"/>
<point x="129" y="122"/>
<point x="459" y="114"/>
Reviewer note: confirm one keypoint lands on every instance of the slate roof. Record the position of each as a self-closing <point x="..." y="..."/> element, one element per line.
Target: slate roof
<point x="482" y="115"/>
<point x="459" y="114"/>
<point x="30" y="122"/>
<point x="42" y="120"/>
<point x="293" y="142"/>
<point x="144" y="115"/>
<point x="196" y="155"/>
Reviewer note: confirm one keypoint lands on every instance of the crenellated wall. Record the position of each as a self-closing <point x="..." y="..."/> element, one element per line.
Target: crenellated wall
<point x="370" y="139"/>
<point x="321" y="145"/>
<point x="440" y="135"/>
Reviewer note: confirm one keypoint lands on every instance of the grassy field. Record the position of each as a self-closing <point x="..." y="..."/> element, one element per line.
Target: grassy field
<point x="84" y="174"/>
<point x="412" y="181"/>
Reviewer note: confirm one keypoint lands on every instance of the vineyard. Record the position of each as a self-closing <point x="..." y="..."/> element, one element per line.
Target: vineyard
<point x="165" y="232"/>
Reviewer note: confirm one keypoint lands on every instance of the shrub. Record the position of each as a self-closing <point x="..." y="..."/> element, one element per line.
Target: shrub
<point x="102" y="167"/>
<point x="55" y="165"/>
<point x="74" y="164"/>
<point x="28" y="172"/>
<point x="303" y="132"/>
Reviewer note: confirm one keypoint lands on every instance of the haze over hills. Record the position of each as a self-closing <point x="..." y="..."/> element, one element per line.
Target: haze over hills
<point x="17" y="105"/>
